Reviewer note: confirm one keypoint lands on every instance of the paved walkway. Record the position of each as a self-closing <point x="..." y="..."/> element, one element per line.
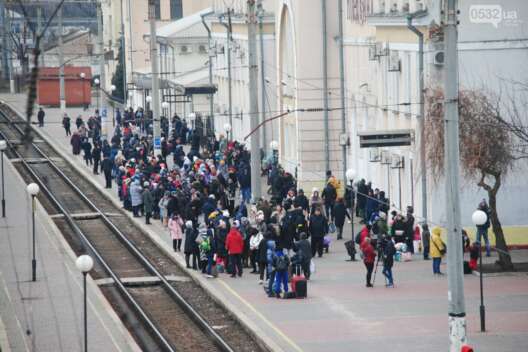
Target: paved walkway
<point x="46" y="315"/>
<point x="342" y="315"/>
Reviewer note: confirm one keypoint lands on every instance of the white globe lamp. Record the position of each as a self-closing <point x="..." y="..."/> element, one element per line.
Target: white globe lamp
<point x="274" y="145"/>
<point x="350" y="174"/>
<point x="33" y="189"/>
<point x="479" y="217"/>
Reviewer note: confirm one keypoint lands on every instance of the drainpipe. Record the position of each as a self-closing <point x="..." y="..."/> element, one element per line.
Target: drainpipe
<point x="211" y="96"/>
<point x="422" y="116"/>
<point x="325" y="87"/>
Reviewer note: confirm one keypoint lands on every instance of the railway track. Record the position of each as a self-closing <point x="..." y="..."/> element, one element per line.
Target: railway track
<point x="158" y="302"/>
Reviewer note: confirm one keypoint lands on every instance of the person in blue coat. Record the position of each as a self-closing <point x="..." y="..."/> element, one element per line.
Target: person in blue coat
<point x="244" y="179"/>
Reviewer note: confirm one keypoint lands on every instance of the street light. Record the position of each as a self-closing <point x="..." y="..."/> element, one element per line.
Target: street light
<point x="85" y="263"/>
<point x="165" y="105"/>
<point x="274" y="146"/>
<point x="112" y="88"/>
<point x="350" y="175"/>
<point x="479" y="218"/>
<point x="227" y="128"/>
<point x="33" y="189"/>
<point x="96" y="82"/>
<point x="3" y="146"/>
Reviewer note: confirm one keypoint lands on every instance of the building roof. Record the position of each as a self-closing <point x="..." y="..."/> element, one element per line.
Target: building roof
<point x="189" y="26"/>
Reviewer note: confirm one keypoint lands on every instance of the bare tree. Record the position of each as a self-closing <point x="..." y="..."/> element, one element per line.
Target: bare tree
<point x="486" y="151"/>
<point x="32" y="89"/>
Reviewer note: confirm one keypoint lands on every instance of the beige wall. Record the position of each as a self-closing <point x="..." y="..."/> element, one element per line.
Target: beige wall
<point x="193" y="6"/>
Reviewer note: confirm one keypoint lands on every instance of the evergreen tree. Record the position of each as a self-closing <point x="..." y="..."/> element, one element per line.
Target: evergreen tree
<point x="118" y="77"/>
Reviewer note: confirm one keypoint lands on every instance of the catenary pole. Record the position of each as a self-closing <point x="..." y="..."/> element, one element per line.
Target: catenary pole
<point x="421" y="119"/>
<point x="342" y="87"/>
<point x="325" y="87"/>
<point x="455" y="279"/>
<point x="229" y="73"/>
<point x="253" y="100"/>
<point x="62" y="97"/>
<point x="5" y="48"/>
<point x="264" y="139"/>
<point x="155" y="78"/>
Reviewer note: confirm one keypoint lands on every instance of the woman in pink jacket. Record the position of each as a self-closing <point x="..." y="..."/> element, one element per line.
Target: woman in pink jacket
<point x="176" y="232"/>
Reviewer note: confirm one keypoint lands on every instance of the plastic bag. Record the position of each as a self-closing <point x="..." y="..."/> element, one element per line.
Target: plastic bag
<point x="331" y="227"/>
<point x="312" y="267"/>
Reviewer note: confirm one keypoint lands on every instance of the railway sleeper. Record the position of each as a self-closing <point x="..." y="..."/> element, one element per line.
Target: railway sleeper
<point x="142" y="281"/>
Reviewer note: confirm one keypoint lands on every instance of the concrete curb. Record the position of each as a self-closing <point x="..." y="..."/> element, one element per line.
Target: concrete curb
<point x="264" y="341"/>
<point x="97" y="297"/>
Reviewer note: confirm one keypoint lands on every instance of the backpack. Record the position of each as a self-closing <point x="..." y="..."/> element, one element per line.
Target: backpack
<point x="205" y="245"/>
<point x="282" y="263"/>
<point x="357" y="239"/>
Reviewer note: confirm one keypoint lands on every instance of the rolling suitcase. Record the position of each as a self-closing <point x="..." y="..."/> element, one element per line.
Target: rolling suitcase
<point x="350" y="247"/>
<point x="299" y="283"/>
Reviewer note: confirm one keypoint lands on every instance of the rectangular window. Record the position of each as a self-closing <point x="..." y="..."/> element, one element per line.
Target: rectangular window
<point x="158" y="10"/>
<point x="176" y="11"/>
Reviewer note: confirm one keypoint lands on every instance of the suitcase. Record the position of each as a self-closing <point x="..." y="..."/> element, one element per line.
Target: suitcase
<point x="350" y="247"/>
<point x="299" y="283"/>
<point x="467" y="268"/>
<point x="301" y="288"/>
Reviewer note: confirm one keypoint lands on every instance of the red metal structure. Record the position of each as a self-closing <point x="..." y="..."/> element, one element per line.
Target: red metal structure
<point x="78" y="90"/>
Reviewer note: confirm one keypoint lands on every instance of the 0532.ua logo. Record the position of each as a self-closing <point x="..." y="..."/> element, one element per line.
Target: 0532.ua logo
<point x="493" y="14"/>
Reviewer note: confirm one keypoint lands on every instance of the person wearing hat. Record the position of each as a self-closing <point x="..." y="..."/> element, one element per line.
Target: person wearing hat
<point x="148" y="202"/>
<point x="235" y="246"/>
<point x="162" y="205"/>
<point x="191" y="247"/>
<point x="175" y="228"/>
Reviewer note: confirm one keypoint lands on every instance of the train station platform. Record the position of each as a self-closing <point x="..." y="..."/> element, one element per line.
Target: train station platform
<point x="341" y="314"/>
<point x="47" y="315"/>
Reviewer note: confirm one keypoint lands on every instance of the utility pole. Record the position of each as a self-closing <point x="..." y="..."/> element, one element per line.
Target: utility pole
<point x="100" y="40"/>
<point x="342" y="87"/>
<point x="229" y="29"/>
<point x="325" y="87"/>
<point x="253" y="100"/>
<point x="209" y="40"/>
<point x="5" y="48"/>
<point x="39" y="30"/>
<point x="123" y="56"/>
<point x="262" y="77"/>
<point x="229" y="73"/>
<point x="62" y="92"/>
<point x="155" y="78"/>
<point x="421" y="120"/>
<point x="455" y="278"/>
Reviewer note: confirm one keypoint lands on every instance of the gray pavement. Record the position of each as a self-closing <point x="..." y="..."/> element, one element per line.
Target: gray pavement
<point x="342" y="315"/>
<point x="46" y="315"/>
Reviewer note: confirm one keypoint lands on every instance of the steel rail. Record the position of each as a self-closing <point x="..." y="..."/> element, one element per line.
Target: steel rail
<point x="194" y="315"/>
<point x="165" y="345"/>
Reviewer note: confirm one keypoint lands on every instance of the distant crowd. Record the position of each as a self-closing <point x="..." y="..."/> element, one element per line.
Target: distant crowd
<point x="204" y="200"/>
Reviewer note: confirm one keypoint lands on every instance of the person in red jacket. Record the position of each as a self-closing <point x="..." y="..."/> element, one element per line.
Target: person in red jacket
<point x="369" y="256"/>
<point x="235" y="247"/>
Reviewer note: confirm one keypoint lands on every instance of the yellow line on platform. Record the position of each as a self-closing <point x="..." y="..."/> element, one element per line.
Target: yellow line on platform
<point x="269" y="323"/>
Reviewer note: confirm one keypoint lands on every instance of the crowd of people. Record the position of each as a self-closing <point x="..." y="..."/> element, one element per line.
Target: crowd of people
<point x="199" y="188"/>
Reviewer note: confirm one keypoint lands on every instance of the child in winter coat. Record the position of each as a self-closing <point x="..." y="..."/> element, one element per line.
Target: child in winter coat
<point x="280" y="264"/>
<point x="176" y="232"/>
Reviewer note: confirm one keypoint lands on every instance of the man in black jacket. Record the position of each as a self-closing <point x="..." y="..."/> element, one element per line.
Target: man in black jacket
<point x="40" y="117"/>
<point x="301" y="201"/>
<point x="329" y="195"/>
<point x="304" y="254"/>
<point x="318" y="229"/>
<point x="106" y="166"/>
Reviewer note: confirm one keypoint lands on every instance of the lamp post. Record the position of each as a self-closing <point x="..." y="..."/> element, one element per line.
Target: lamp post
<point x="96" y="82"/>
<point x="479" y="218"/>
<point x="33" y="189"/>
<point x="112" y="89"/>
<point x="3" y="146"/>
<point x="85" y="263"/>
<point x="227" y="128"/>
<point x="350" y="174"/>
<point x="83" y="76"/>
